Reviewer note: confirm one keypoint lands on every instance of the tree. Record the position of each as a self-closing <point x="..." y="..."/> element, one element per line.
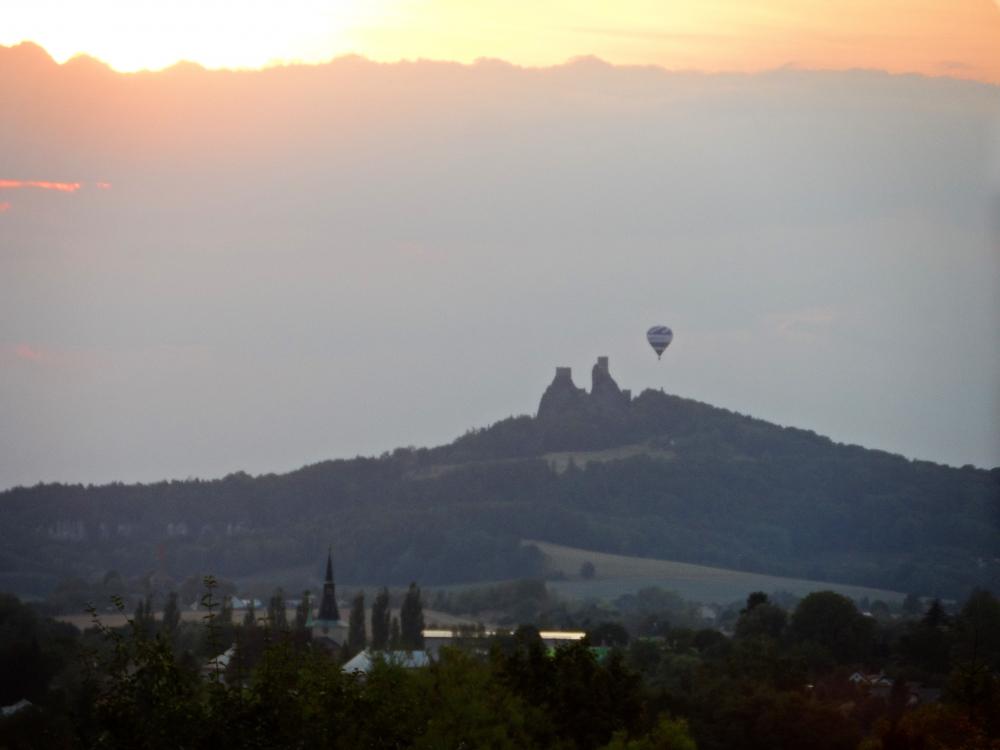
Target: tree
<point x="394" y="634"/>
<point x="250" y="617"/>
<point x="763" y="620"/>
<point x="668" y="734"/>
<point x="225" y="616"/>
<point x="973" y="682"/>
<point x="880" y="611"/>
<point x="755" y="600"/>
<point x="587" y="570"/>
<point x="144" y="621"/>
<point x="32" y="651"/>
<point x="608" y="634"/>
<point x="466" y="707"/>
<point x="171" y="614"/>
<point x="831" y="620"/>
<point x="380" y="620"/>
<point x="356" y="639"/>
<point x="927" y="644"/>
<point x="303" y="611"/>
<point x="276" y="616"/>
<point x="978" y="627"/>
<point x="935" y="616"/>
<point x="911" y="604"/>
<point x="411" y="620"/>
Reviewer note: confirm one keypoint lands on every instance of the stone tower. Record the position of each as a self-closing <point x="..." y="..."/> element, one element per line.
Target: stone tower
<point x="604" y="391"/>
<point x="561" y="396"/>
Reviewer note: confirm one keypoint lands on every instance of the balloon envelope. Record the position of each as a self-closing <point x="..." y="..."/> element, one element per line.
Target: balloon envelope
<point x="659" y="337"/>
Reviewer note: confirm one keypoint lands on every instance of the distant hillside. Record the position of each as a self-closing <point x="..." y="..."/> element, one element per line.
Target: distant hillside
<point x="655" y="476"/>
<point x="617" y="575"/>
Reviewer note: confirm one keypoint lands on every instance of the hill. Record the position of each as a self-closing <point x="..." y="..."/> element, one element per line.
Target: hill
<point x="655" y="476"/>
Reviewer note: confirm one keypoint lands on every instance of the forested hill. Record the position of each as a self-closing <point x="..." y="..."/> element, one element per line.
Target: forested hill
<point x="658" y="476"/>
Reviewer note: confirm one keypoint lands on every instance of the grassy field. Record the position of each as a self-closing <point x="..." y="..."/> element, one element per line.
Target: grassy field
<point x="560" y="461"/>
<point x="618" y="574"/>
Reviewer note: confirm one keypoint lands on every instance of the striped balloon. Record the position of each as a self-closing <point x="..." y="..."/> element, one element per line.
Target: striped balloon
<point x="659" y="337"/>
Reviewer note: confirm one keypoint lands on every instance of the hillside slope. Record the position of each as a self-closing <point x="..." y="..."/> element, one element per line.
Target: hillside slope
<point x="656" y="476"/>
<point x="617" y="575"/>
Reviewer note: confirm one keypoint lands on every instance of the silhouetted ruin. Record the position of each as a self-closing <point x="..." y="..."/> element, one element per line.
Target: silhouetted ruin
<point x="563" y="397"/>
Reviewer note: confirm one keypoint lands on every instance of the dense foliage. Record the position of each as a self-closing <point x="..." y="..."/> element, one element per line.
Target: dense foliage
<point x="779" y="683"/>
<point x="700" y="484"/>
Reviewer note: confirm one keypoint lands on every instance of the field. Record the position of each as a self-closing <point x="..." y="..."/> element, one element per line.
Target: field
<point x="560" y="461"/>
<point x="616" y="575"/>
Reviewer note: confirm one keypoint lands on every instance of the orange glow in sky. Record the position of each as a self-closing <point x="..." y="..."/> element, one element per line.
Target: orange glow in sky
<point x="62" y="187"/>
<point x="936" y="37"/>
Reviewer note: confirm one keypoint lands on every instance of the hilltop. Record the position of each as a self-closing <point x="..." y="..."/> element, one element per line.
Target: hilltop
<point x="656" y="476"/>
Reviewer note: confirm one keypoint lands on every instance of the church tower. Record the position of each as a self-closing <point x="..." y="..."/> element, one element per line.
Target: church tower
<point x="327" y="627"/>
<point x="328" y="604"/>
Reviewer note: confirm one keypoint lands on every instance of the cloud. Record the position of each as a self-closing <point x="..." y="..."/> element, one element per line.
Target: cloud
<point x="27" y="353"/>
<point x="648" y="34"/>
<point x="59" y="187"/>
<point x="804" y="326"/>
<point x="62" y="187"/>
<point x="956" y="65"/>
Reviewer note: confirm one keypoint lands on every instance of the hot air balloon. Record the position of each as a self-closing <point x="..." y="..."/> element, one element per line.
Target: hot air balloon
<point x="659" y="337"/>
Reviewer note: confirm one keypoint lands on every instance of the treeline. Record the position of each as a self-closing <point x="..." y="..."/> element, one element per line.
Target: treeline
<point x="822" y="676"/>
<point x="719" y="489"/>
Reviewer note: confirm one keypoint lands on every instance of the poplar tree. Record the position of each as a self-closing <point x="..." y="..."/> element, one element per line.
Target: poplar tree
<point x="225" y="616"/>
<point x="303" y="611"/>
<point x="144" y="620"/>
<point x="171" y="614"/>
<point x="394" y="635"/>
<point x="276" y="616"/>
<point x="356" y="638"/>
<point x="380" y="620"/>
<point x="411" y="620"/>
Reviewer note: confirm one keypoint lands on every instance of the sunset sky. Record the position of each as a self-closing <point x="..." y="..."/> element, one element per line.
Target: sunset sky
<point x="959" y="38"/>
<point x="204" y="271"/>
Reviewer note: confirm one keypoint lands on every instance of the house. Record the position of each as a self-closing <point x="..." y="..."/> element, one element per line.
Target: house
<point x="219" y="663"/>
<point x="880" y="686"/>
<point x="870" y="680"/>
<point x="14" y="708"/>
<point x="238" y="603"/>
<point x="434" y="638"/>
<point x="367" y="659"/>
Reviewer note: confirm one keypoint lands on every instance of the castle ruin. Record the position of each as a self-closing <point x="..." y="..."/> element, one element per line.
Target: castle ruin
<point x="564" y="396"/>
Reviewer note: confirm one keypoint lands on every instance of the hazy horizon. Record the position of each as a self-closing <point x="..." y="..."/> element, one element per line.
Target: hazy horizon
<point x="957" y="38"/>
<point x="221" y="271"/>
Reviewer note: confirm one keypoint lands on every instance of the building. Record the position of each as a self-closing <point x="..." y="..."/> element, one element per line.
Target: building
<point x="327" y="624"/>
<point x="364" y="661"/>
<point x="434" y="638"/>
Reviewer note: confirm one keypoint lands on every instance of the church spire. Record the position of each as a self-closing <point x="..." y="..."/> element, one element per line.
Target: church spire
<point x="328" y="604"/>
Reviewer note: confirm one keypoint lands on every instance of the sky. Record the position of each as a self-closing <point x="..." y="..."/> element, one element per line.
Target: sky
<point x="956" y="38"/>
<point x="210" y="271"/>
